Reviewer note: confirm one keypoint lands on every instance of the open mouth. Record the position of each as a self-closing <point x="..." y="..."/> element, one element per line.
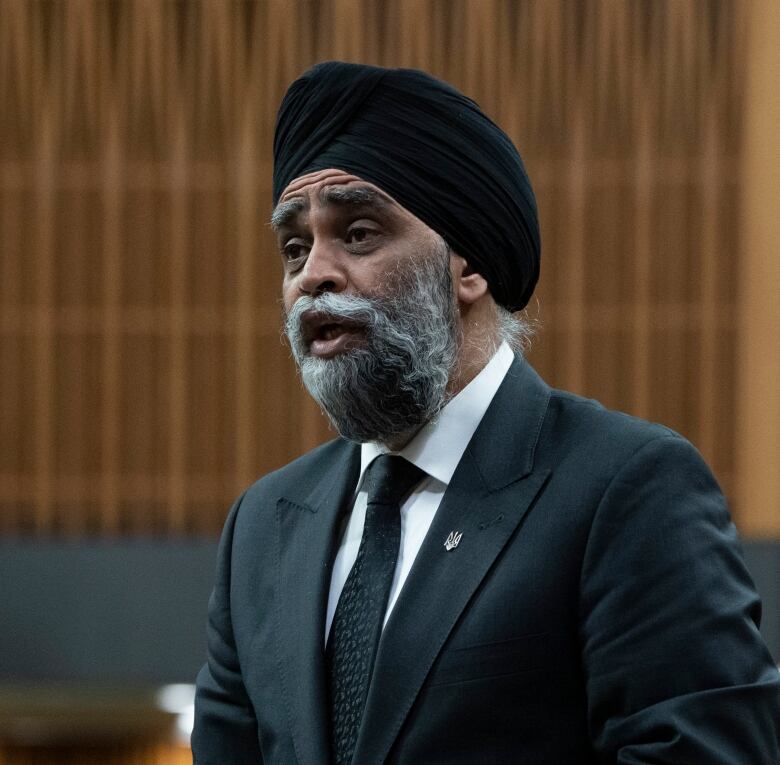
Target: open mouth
<point x="326" y="335"/>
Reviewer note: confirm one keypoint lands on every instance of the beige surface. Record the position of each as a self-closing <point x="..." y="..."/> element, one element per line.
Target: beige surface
<point x="118" y="754"/>
<point x="87" y="725"/>
<point x="69" y="715"/>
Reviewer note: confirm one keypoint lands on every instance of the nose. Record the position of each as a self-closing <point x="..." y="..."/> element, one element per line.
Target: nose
<point x="323" y="271"/>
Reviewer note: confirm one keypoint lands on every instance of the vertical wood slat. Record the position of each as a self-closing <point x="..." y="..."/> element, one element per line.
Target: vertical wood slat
<point x="166" y="109"/>
<point x="13" y="35"/>
<point x="179" y="237"/>
<point x="758" y="418"/>
<point x="50" y="110"/>
<point x="573" y="281"/>
<point x="247" y="224"/>
<point x="113" y="172"/>
<point x="643" y="237"/>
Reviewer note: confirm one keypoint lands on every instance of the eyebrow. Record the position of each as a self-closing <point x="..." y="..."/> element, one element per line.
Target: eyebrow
<point x="354" y="196"/>
<point x="345" y="196"/>
<point x="284" y="212"/>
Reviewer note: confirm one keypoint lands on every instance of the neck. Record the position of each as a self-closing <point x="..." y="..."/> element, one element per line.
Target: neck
<point x="480" y="341"/>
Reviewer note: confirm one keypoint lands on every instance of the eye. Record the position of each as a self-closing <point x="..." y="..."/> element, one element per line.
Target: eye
<point x="294" y="251"/>
<point x="357" y="235"/>
<point x="360" y="235"/>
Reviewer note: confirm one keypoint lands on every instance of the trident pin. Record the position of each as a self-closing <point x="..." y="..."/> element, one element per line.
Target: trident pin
<point x="453" y="540"/>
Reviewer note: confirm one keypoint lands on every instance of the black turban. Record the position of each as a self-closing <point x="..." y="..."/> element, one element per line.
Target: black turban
<point x="430" y="148"/>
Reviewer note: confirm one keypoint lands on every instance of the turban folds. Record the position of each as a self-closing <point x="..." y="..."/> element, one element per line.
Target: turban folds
<point x="430" y="148"/>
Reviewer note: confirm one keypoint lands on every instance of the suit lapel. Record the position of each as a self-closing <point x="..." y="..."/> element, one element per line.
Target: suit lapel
<point x="490" y="493"/>
<point x="307" y="536"/>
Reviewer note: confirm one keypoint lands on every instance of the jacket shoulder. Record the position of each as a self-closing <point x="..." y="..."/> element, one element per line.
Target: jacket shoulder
<point x="592" y="411"/>
<point x="593" y="434"/>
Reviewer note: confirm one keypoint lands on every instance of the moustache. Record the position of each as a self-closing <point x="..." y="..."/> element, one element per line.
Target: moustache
<point x="312" y="318"/>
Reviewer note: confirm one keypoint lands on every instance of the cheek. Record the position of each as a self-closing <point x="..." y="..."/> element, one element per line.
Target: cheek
<point x="369" y="281"/>
<point x="289" y="294"/>
<point x="458" y="266"/>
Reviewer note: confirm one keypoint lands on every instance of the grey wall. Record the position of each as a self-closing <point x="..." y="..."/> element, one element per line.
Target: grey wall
<point x="120" y="612"/>
<point x="135" y="612"/>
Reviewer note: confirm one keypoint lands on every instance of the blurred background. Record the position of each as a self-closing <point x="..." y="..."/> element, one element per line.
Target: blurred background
<point x="143" y="379"/>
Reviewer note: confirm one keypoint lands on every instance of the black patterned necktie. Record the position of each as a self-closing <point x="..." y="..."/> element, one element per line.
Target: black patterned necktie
<point x="357" y="622"/>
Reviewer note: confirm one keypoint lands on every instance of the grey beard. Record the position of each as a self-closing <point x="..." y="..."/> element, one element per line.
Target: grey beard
<point x="394" y="383"/>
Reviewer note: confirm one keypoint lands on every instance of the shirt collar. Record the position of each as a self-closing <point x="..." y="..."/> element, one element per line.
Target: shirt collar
<point x="438" y="445"/>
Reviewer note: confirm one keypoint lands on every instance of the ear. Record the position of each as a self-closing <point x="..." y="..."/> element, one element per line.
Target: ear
<point x="469" y="285"/>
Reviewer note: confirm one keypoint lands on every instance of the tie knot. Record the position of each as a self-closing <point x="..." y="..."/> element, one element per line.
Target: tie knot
<point x="391" y="478"/>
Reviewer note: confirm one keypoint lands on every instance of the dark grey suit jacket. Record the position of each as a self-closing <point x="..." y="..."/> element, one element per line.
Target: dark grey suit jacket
<point x="596" y="610"/>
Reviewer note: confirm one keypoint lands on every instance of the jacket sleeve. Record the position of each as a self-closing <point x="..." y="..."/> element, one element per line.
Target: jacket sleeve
<point x="225" y="730"/>
<point x="675" y="668"/>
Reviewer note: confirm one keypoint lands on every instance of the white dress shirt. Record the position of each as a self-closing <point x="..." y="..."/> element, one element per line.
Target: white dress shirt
<point x="435" y="449"/>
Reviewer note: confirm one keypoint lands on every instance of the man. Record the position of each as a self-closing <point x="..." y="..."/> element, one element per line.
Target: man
<point x="481" y="569"/>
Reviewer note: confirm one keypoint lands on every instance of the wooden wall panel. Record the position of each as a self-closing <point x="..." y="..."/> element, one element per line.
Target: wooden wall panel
<point x="144" y="382"/>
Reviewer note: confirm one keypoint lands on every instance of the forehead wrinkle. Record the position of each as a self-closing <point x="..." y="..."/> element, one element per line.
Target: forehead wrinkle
<point x="284" y="212"/>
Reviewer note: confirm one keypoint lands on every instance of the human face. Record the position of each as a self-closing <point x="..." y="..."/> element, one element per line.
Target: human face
<point x="378" y="364"/>
<point x="340" y="234"/>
